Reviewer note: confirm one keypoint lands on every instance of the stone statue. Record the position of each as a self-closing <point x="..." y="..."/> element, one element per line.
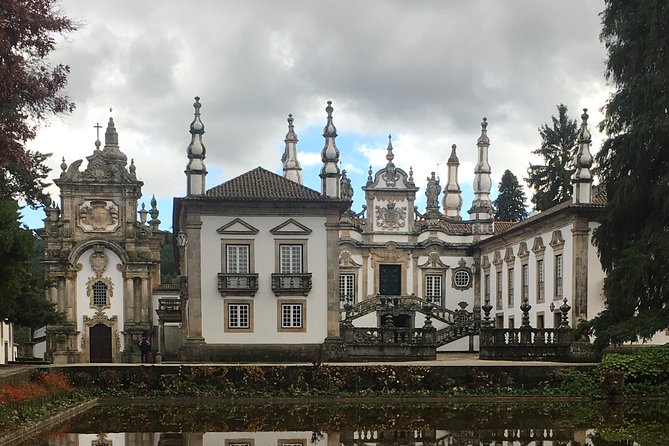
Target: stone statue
<point x="432" y="191"/>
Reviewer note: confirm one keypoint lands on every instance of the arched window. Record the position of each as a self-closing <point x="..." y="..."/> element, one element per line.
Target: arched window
<point x="99" y="294"/>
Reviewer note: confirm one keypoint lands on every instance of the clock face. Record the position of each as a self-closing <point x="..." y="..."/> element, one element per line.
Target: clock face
<point x="98" y="216"/>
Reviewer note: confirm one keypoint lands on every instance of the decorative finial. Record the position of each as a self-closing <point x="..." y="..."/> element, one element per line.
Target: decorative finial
<point x="142" y="214"/>
<point x="584" y="135"/>
<point x="454" y="157"/>
<point x="111" y="136"/>
<point x="196" y="126"/>
<point x="291" y="165"/>
<point x="410" y="179"/>
<point x="369" y="174"/>
<point x="154" y="212"/>
<point x="389" y="155"/>
<point x="63" y="165"/>
<point x="330" y="130"/>
<point x="291" y="136"/>
<point x="483" y="139"/>
<point x="97" y="127"/>
<point x="132" y="167"/>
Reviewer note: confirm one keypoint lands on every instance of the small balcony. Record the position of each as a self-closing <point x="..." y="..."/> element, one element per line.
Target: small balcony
<point x="238" y="284"/>
<point x="291" y="284"/>
<point x="169" y="310"/>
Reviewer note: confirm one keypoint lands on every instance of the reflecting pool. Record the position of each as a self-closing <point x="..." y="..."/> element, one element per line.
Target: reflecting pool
<point x="360" y="423"/>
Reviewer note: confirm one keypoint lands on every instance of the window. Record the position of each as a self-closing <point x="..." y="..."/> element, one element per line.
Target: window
<point x="290" y="259"/>
<point x="291" y="315"/>
<point x="540" y="281"/>
<point x="239" y="316"/>
<point x="433" y="287"/>
<point x="461" y="279"/>
<point x="99" y="294"/>
<point x="558" y="275"/>
<point x="237" y="259"/>
<point x="511" y="289"/>
<point x="499" y="289"/>
<point x="511" y="323"/>
<point x="526" y="283"/>
<point x="346" y="289"/>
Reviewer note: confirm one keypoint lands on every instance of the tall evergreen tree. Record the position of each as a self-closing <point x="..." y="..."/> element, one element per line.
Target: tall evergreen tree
<point x="551" y="181"/>
<point x="633" y="236"/>
<point x="510" y="203"/>
<point x="22" y="299"/>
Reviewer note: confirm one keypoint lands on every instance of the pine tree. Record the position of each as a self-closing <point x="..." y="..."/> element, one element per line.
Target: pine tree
<point x="551" y="181"/>
<point x="22" y="297"/>
<point x="510" y="203"/>
<point x="633" y="236"/>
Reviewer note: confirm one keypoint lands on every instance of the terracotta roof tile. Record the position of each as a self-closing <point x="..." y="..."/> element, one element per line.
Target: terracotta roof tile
<point x="501" y="226"/>
<point x="457" y="228"/>
<point x="262" y="185"/>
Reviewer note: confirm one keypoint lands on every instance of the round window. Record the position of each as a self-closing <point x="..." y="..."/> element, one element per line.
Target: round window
<point x="461" y="279"/>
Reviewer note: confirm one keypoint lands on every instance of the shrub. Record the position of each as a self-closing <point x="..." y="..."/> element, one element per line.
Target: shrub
<point x="649" y="364"/>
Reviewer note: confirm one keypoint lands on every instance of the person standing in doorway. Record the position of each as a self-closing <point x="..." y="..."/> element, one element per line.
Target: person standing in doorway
<point x="144" y="348"/>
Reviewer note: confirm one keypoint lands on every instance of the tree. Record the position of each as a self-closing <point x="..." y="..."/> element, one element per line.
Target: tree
<point x="633" y="236"/>
<point x="30" y="91"/>
<point x="551" y="181"/>
<point x="22" y="298"/>
<point x="168" y="267"/>
<point x="510" y="203"/>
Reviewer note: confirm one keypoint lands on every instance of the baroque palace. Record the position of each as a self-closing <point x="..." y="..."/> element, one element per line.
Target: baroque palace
<point x="271" y="270"/>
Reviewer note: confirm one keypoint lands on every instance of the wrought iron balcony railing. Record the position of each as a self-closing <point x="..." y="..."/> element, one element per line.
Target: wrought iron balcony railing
<point x="291" y="283"/>
<point x="238" y="284"/>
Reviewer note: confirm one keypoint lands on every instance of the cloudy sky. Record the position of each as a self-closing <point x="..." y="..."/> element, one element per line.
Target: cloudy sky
<point x="424" y="71"/>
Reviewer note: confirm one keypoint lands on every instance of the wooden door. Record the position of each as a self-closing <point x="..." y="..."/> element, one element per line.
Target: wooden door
<point x="390" y="280"/>
<point x="101" y="343"/>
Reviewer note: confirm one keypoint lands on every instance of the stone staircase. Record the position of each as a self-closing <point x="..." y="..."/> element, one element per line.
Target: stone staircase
<point x="460" y="323"/>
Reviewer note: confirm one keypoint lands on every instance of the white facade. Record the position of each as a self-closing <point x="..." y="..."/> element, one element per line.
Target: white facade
<point x="7" y="343"/>
<point x="265" y="306"/>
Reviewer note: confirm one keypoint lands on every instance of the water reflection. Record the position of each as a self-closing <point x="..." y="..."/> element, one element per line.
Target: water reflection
<point x="491" y="424"/>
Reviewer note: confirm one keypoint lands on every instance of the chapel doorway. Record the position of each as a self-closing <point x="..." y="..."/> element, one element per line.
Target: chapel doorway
<point x="390" y="280"/>
<point x="100" y="339"/>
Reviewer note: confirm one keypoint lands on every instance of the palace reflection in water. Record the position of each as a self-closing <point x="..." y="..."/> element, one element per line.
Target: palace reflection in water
<point x="366" y="424"/>
<point x="502" y="437"/>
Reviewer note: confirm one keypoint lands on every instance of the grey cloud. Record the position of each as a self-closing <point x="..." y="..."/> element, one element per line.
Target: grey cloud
<point x="429" y="68"/>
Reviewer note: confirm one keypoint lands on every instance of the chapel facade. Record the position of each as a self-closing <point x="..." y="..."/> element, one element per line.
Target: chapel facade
<point x="102" y="260"/>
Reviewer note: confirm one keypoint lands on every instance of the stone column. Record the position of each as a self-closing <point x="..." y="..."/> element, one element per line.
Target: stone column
<point x="193" y="262"/>
<point x="128" y="299"/>
<point x="581" y="244"/>
<point x="146" y="300"/>
<point x="332" y="266"/>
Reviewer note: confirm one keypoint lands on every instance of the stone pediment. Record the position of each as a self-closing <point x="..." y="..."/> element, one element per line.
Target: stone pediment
<point x="237" y="227"/>
<point x="391" y="179"/>
<point x="433" y="261"/>
<point x="290" y="227"/>
<point x="103" y="167"/>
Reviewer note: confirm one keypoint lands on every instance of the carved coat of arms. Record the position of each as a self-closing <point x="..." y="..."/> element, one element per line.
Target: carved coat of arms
<point x="98" y="215"/>
<point x="390" y="217"/>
